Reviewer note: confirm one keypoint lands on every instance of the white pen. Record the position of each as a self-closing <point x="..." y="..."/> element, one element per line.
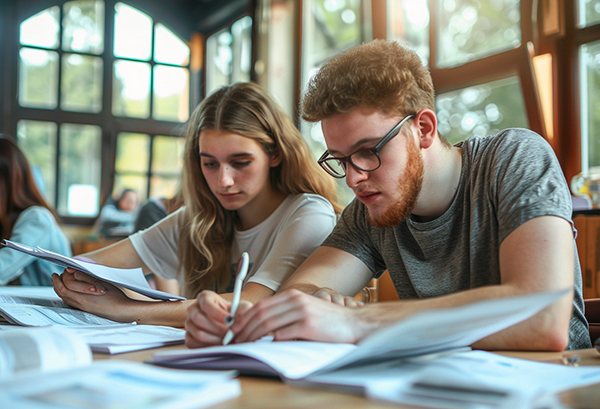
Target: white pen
<point x="242" y="270"/>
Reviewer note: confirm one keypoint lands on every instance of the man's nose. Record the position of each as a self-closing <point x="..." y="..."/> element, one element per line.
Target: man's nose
<point x="355" y="176"/>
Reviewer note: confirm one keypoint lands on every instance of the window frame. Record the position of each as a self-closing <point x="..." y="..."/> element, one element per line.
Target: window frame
<point x="110" y="124"/>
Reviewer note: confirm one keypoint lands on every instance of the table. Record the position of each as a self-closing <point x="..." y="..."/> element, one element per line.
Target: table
<point x="267" y="393"/>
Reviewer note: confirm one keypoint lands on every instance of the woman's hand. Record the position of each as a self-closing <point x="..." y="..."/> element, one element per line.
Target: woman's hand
<point x="80" y="282"/>
<point x="206" y="319"/>
<point x="81" y="291"/>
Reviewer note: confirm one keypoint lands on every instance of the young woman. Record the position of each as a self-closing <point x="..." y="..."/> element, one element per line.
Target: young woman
<point x="26" y="218"/>
<point x="249" y="184"/>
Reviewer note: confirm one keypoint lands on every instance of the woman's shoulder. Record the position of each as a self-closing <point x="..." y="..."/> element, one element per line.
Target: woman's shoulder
<point x="36" y="213"/>
<point x="307" y="202"/>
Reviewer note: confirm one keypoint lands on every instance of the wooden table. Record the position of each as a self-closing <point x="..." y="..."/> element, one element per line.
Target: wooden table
<point x="267" y="393"/>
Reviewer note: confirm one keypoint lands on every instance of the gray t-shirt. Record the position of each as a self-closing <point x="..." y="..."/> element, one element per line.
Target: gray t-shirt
<point x="505" y="181"/>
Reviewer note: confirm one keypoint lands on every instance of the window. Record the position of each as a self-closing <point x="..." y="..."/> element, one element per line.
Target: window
<point x="229" y="55"/>
<point x="80" y="104"/>
<point x="330" y="26"/>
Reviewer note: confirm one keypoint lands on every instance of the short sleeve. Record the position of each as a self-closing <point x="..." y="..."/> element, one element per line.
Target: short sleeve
<point x="158" y="245"/>
<point x="353" y="235"/>
<point x="298" y="235"/>
<point x="530" y="182"/>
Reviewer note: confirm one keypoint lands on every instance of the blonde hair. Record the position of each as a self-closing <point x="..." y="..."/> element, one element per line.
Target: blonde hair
<point x="382" y="75"/>
<point x="243" y="109"/>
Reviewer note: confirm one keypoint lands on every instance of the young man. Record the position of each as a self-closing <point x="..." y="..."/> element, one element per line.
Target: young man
<point x="487" y="218"/>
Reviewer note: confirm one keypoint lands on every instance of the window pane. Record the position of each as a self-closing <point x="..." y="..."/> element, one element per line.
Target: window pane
<point x="37" y="140"/>
<point x="131" y="89"/>
<point x="241" y="46"/>
<point x="473" y="29"/>
<point x="163" y="186"/>
<point x="41" y="30"/>
<point x="135" y="182"/>
<point x="409" y="24"/>
<point x="167" y="155"/>
<point x="133" y="33"/>
<point x="171" y="96"/>
<point x="589" y="12"/>
<point x="80" y="165"/>
<point x="219" y="58"/>
<point x="337" y="26"/>
<point x="38" y="78"/>
<point x="481" y="110"/>
<point x="83" y="26"/>
<point x="81" y="87"/>
<point x="590" y="105"/>
<point x="133" y="152"/>
<point x="168" y="48"/>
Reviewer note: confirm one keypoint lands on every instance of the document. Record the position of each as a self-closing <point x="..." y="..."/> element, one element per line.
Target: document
<point x="425" y="335"/>
<point x="44" y="308"/>
<point x="472" y="379"/>
<point x="50" y="368"/>
<point x="130" y="279"/>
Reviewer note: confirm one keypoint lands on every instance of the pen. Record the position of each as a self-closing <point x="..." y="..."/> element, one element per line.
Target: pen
<point x="242" y="270"/>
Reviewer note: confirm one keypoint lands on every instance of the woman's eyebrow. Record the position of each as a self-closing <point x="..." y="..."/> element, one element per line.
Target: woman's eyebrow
<point x="233" y="155"/>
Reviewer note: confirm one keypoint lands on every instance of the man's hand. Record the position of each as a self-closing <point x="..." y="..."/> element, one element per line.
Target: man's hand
<point x="297" y="315"/>
<point x="205" y="324"/>
<point x="330" y="295"/>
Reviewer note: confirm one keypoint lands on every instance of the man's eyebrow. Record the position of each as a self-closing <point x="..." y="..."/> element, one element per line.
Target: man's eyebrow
<point x="357" y="145"/>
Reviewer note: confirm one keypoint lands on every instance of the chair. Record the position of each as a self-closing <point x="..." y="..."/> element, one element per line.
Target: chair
<point x="592" y="314"/>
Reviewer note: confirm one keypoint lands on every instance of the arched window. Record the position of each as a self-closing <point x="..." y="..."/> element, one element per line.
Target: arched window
<point x="103" y="89"/>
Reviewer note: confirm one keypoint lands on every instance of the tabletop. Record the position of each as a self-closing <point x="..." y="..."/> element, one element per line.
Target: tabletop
<point x="266" y="393"/>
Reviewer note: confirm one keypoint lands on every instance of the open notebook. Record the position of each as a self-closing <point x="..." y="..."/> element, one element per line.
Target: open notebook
<point x="425" y="335"/>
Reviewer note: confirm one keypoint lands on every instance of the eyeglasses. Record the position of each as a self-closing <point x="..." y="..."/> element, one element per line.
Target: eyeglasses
<point x="366" y="160"/>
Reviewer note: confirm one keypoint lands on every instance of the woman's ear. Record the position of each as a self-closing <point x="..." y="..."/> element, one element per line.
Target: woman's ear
<point x="426" y="121"/>
<point x="276" y="158"/>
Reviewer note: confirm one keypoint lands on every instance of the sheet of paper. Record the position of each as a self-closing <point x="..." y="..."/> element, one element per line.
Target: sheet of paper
<point x="476" y="378"/>
<point x="291" y="359"/>
<point x="38" y="316"/>
<point x="132" y="279"/>
<point x="442" y="329"/>
<point x="117" y="384"/>
<point x="116" y="340"/>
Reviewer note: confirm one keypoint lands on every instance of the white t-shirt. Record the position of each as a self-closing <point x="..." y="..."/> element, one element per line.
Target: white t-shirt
<point x="277" y="246"/>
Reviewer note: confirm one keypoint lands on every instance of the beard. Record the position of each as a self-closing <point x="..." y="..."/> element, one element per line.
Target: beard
<point x="409" y="185"/>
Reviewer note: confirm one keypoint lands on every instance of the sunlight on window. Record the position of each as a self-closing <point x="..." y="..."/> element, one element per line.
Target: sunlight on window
<point x="133" y="33"/>
<point x="589" y="12"/>
<point x="170" y="102"/>
<point x="408" y="23"/>
<point x="472" y="29"/>
<point x="590" y="105"/>
<point x="131" y="89"/>
<point x="481" y="110"/>
<point x="168" y="48"/>
<point x="83" y="26"/>
<point x="41" y="30"/>
<point x="38" y="78"/>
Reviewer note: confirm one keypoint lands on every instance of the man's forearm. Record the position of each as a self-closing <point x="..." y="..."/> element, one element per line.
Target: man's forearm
<point x="548" y="330"/>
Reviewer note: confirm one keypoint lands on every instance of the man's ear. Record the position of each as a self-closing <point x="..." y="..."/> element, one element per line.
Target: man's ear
<point x="276" y="158"/>
<point x="426" y="121"/>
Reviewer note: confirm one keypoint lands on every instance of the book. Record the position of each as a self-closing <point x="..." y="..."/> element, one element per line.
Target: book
<point x="425" y="335"/>
<point x="38" y="307"/>
<point x="131" y="279"/>
<point x="53" y="368"/>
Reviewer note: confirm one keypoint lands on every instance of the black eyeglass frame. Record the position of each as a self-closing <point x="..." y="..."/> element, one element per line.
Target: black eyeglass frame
<point x="345" y="159"/>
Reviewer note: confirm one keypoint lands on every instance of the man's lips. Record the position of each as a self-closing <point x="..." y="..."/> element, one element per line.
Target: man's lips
<point x="367" y="196"/>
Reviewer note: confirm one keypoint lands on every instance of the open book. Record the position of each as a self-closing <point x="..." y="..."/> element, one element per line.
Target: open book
<point x="50" y="368"/>
<point x="40" y="306"/>
<point x="425" y="335"/>
<point x="132" y="279"/>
